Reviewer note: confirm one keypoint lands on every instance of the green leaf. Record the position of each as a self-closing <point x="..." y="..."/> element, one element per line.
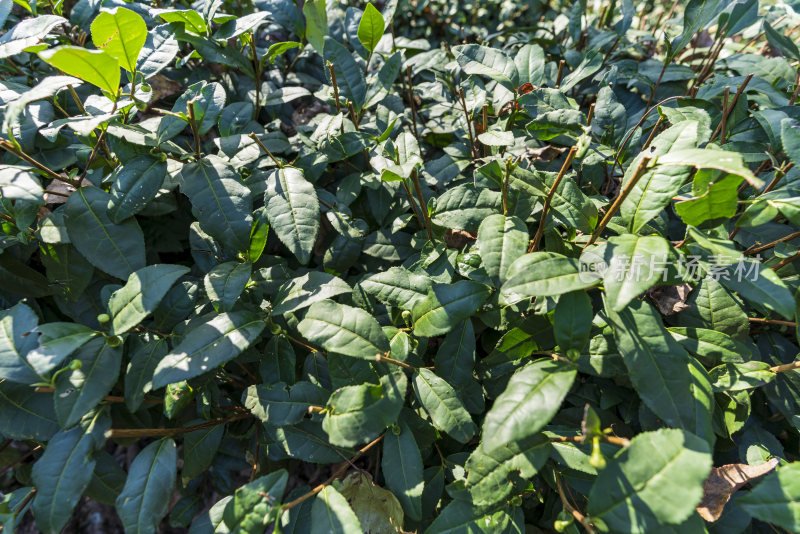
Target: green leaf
<point x="763" y="287"/>
<point x="305" y="290"/>
<point x="293" y="211"/>
<point x="97" y="67"/>
<point x="790" y="138"/>
<point x="135" y="184"/>
<point x="711" y="158"/>
<point x="655" y="189"/>
<point x="121" y="33"/>
<point x="497" y="138"/>
<point x="254" y="504"/>
<point x="145" y="499"/>
<point x="141" y="294"/>
<point x="461" y="516"/>
<point x="357" y="414"/>
<point x="455" y="358"/>
<point x="657" y="480"/>
<point x="572" y="321"/>
<point x="64" y="471"/>
<point x="108" y="479"/>
<point x="278" y="49"/>
<point x="719" y="201"/>
<point x="544" y="274"/>
<point x="199" y="449"/>
<point x="16" y="324"/>
<point x="56" y="342"/>
<point x="280" y="405"/>
<point x="191" y="19"/>
<point x="316" y="23"/>
<point x="710" y="346"/>
<point x="531" y="398"/>
<point x="501" y="241"/>
<point x="117" y="249"/>
<point x="397" y="286"/>
<point x="635" y="264"/>
<point x="446" y="305"/>
<point x="220" y="202"/>
<point x="402" y="466"/>
<point x="27" y="33"/>
<point x="225" y="283"/>
<point x="485" y="61"/>
<point x="776" y="499"/>
<point x="668" y="380"/>
<point x="443" y="405"/>
<point x="465" y="207"/>
<point x="697" y="14"/>
<point x="332" y="514"/>
<point x="139" y="375"/>
<point x="159" y="51"/>
<point x="344" y="330"/>
<point x="739" y="376"/>
<point x="488" y="474"/>
<point x="26" y="414"/>
<point x="214" y="342"/>
<point x="371" y="27"/>
<point x="207" y="100"/>
<point x="781" y="42"/>
<point x="79" y="390"/>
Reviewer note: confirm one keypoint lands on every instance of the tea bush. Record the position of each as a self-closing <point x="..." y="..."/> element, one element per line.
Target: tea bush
<point x="419" y="266"/>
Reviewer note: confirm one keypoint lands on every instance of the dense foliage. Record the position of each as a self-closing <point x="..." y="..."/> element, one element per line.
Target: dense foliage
<point x="419" y="265"/>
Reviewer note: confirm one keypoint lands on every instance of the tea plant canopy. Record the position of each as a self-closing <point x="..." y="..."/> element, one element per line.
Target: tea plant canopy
<point x="400" y="266"/>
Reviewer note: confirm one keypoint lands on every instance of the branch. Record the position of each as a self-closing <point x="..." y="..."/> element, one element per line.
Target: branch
<point x="564" y="168"/>
<point x="164" y="432"/>
<point x="336" y="474"/>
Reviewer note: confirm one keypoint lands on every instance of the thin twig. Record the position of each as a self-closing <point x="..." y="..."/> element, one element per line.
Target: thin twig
<point x="560" y="72"/>
<point x="658" y="82"/>
<point x="107" y="398"/>
<point x="404" y="365"/>
<point x="335" y="87"/>
<point x="564" y="168"/>
<point x="463" y="102"/>
<point x="418" y="215"/>
<point x="785" y="367"/>
<point x="730" y="108"/>
<point x="652" y="133"/>
<point x="254" y="137"/>
<point x="195" y="132"/>
<point x="422" y="205"/>
<point x="6" y="145"/>
<point x="638" y="173"/>
<point x="780" y="173"/>
<point x="336" y="474"/>
<point x="756" y="250"/>
<point x="778" y="322"/>
<point x="20" y="459"/>
<point x="724" y="121"/>
<point x="796" y="87"/>
<point x="163" y="432"/>
<point x="785" y="261"/>
<point x="579" y="517"/>
<point x="412" y="103"/>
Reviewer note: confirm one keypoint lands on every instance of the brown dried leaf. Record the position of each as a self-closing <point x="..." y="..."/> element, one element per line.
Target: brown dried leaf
<point x="162" y="87"/>
<point x="545" y="153"/>
<point x="724" y="481"/>
<point x="458" y="239"/>
<point x="670" y="299"/>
